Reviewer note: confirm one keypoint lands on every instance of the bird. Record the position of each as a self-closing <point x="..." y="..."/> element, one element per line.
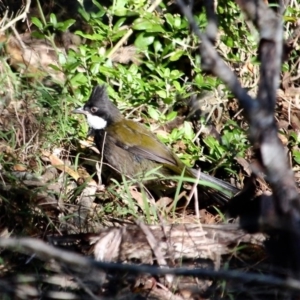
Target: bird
<point x="131" y="148"/>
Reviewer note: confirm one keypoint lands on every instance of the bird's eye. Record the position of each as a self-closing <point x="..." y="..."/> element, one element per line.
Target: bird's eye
<point x="94" y="109"/>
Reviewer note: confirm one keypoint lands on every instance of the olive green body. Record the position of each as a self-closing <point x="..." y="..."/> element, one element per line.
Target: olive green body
<point x="133" y="150"/>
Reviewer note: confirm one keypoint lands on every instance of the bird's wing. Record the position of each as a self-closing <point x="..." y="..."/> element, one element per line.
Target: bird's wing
<point x="137" y="139"/>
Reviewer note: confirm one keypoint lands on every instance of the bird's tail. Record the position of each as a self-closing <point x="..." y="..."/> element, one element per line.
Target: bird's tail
<point x="224" y="187"/>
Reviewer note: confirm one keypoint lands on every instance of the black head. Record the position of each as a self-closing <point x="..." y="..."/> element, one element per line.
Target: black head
<point x="100" y="109"/>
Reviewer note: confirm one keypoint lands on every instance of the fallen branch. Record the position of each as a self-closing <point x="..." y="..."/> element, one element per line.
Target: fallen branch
<point x="80" y="263"/>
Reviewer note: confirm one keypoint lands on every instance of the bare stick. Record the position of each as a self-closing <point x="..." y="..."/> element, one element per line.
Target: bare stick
<point x="21" y="16"/>
<point x="80" y="263"/>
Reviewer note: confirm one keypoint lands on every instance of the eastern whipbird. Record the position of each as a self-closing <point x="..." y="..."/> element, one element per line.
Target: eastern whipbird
<point x="131" y="148"/>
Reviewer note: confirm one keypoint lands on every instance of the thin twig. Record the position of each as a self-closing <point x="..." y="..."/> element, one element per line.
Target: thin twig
<point x="23" y="16"/>
<point x="78" y="262"/>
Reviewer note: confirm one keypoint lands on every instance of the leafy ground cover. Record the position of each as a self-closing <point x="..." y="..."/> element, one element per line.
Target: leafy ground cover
<point x="49" y="169"/>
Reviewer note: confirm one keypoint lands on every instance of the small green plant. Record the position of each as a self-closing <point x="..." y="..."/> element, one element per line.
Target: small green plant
<point x="233" y="144"/>
<point x="294" y="144"/>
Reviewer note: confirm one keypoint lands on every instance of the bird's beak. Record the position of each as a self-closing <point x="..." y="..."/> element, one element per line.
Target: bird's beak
<point x="79" y="110"/>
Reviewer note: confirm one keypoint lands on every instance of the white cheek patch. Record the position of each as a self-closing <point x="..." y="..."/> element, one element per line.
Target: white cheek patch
<point x="96" y="122"/>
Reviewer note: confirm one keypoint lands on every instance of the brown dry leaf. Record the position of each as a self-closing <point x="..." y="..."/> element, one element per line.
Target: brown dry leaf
<point x="5" y="148"/>
<point x="33" y="164"/>
<point x="19" y="168"/>
<point x="127" y="54"/>
<point x="250" y="67"/>
<point x="208" y="218"/>
<point x="246" y="68"/>
<point x="246" y="166"/>
<point x="137" y="196"/>
<point x="144" y="283"/>
<point x="286" y="79"/>
<point x="179" y="146"/>
<point x="89" y="144"/>
<point x="283" y="139"/>
<point x="164" y="202"/>
<point x="291" y="91"/>
<point x="60" y="165"/>
<point x="83" y="173"/>
<point x="32" y="56"/>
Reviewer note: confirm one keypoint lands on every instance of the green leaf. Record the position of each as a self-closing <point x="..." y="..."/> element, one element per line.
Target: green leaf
<point x="213" y="145"/>
<point x="167" y="73"/>
<point x="289" y="19"/>
<point x="171" y="116"/>
<point x="162" y="94"/>
<point x="156" y="28"/>
<point x="61" y="58"/>
<point x="229" y="42"/>
<point x="53" y="19"/>
<point x="175" y="74"/>
<point x="119" y="23"/>
<point x="84" y="14"/>
<point x="124" y="12"/>
<point x="95" y="68"/>
<point x="92" y="37"/>
<point x="188" y="131"/>
<point x="72" y="66"/>
<point x="63" y="26"/>
<point x="153" y="113"/>
<point x="79" y="79"/>
<point x="38" y="35"/>
<point x="176" y="55"/>
<point x="140" y="24"/>
<point x="175" y="134"/>
<point x="294" y="136"/>
<point x="98" y="5"/>
<point x="54" y="67"/>
<point x="157" y="46"/>
<point x="296" y="155"/>
<point x="170" y="19"/>
<point x="147" y="25"/>
<point x="120" y="3"/>
<point x="37" y="23"/>
<point x="134" y="69"/>
<point x="199" y="80"/>
<point x="120" y="12"/>
<point x="143" y="40"/>
<point x="118" y="34"/>
<point x="177" y="22"/>
<point x="176" y="85"/>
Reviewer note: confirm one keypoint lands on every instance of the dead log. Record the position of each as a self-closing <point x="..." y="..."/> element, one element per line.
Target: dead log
<point x="177" y="242"/>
